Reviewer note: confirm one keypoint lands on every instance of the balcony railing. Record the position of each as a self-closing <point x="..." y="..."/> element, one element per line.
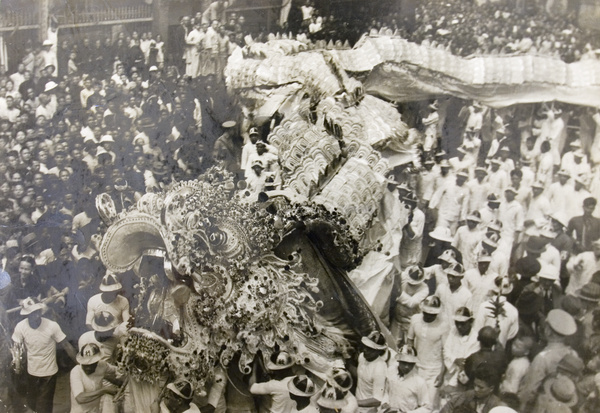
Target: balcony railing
<point x="105" y="15"/>
<point x="10" y="19"/>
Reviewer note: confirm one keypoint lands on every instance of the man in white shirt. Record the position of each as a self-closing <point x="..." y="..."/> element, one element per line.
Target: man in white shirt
<point x="511" y="215"/>
<point x="539" y="205"/>
<point x="460" y="344"/>
<point x="427" y="334"/>
<point x="453" y="293"/>
<point x="178" y="398"/>
<point x="108" y="300"/>
<point x="39" y="337"/>
<point x="407" y="391"/>
<point x="372" y="370"/>
<point x="451" y="202"/>
<point x="478" y="189"/>
<point x="87" y="380"/>
<point x="559" y="193"/>
<point x="280" y="369"/>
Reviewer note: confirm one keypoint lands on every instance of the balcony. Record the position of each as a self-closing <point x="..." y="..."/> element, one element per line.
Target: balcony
<point x="15" y="20"/>
<point x="105" y="16"/>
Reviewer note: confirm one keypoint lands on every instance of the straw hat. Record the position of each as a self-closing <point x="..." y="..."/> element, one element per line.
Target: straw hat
<point x="441" y="234"/>
<point x="110" y="283"/>
<point x="374" y="340"/>
<point x="332" y="398"/>
<point x="29" y="306"/>
<point x="413" y="274"/>
<point x="182" y="388"/>
<point x="407" y="354"/>
<point x="89" y="354"/>
<point x="463" y="314"/>
<point x="502" y="285"/>
<point x="302" y="386"/>
<point x="562" y="389"/>
<point x="50" y="86"/>
<point x="590" y="292"/>
<point x="280" y="361"/>
<point x="456" y="269"/>
<point x="431" y="305"/>
<point x="341" y="378"/>
<point x="449" y="256"/>
<point x="104" y="321"/>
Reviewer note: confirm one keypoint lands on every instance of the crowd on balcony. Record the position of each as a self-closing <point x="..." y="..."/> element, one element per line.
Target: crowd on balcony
<point x="464" y="28"/>
<point x="495" y="304"/>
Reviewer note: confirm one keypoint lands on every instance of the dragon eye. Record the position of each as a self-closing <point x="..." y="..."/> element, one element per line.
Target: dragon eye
<point x="217" y="238"/>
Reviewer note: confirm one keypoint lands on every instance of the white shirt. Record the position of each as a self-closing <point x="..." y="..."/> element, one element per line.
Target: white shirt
<point x="511" y="215"/>
<point x="118" y="308"/>
<point x="81" y="382"/>
<point x="466" y="241"/>
<point x="370" y="376"/>
<point x="581" y="268"/>
<point x="452" y="301"/>
<point x="539" y="207"/>
<point x="514" y="375"/>
<point x="458" y="347"/>
<point x="280" y="395"/>
<point x="478" y="192"/>
<point x="428" y="340"/>
<point x="41" y="346"/>
<point x="408" y="393"/>
<point x="508" y="323"/>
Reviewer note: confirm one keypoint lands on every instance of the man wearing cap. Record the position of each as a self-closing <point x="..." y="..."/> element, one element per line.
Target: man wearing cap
<point x="88" y="379"/>
<point x="585" y="228"/>
<point x="546" y="286"/>
<point x="460" y="344"/>
<point x="511" y="215"/>
<point x="427" y="334"/>
<point x="560" y="192"/>
<point x="497" y="178"/>
<point x="108" y="300"/>
<point x="178" y="398"/>
<point x="480" y="280"/>
<point x="301" y="390"/>
<point x="436" y="274"/>
<point x="580" y="194"/>
<point x="40" y="336"/>
<point x="452" y="293"/>
<point x="371" y="370"/>
<point x="539" y="205"/>
<point x="249" y="148"/>
<point x="489" y="213"/>
<point x="412" y="232"/>
<point x="581" y="267"/>
<point x="332" y="400"/>
<point x="467" y="238"/>
<point x="407" y="390"/>
<point x="559" y="325"/>
<point x="280" y="367"/>
<point x="523" y="195"/>
<point x="103" y="324"/>
<point x="479" y="189"/>
<point x="413" y="291"/>
<point x="451" y="202"/>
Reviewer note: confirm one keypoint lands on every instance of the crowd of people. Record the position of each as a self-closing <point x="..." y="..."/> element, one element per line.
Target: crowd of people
<point x="463" y="28"/>
<point x="494" y="306"/>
